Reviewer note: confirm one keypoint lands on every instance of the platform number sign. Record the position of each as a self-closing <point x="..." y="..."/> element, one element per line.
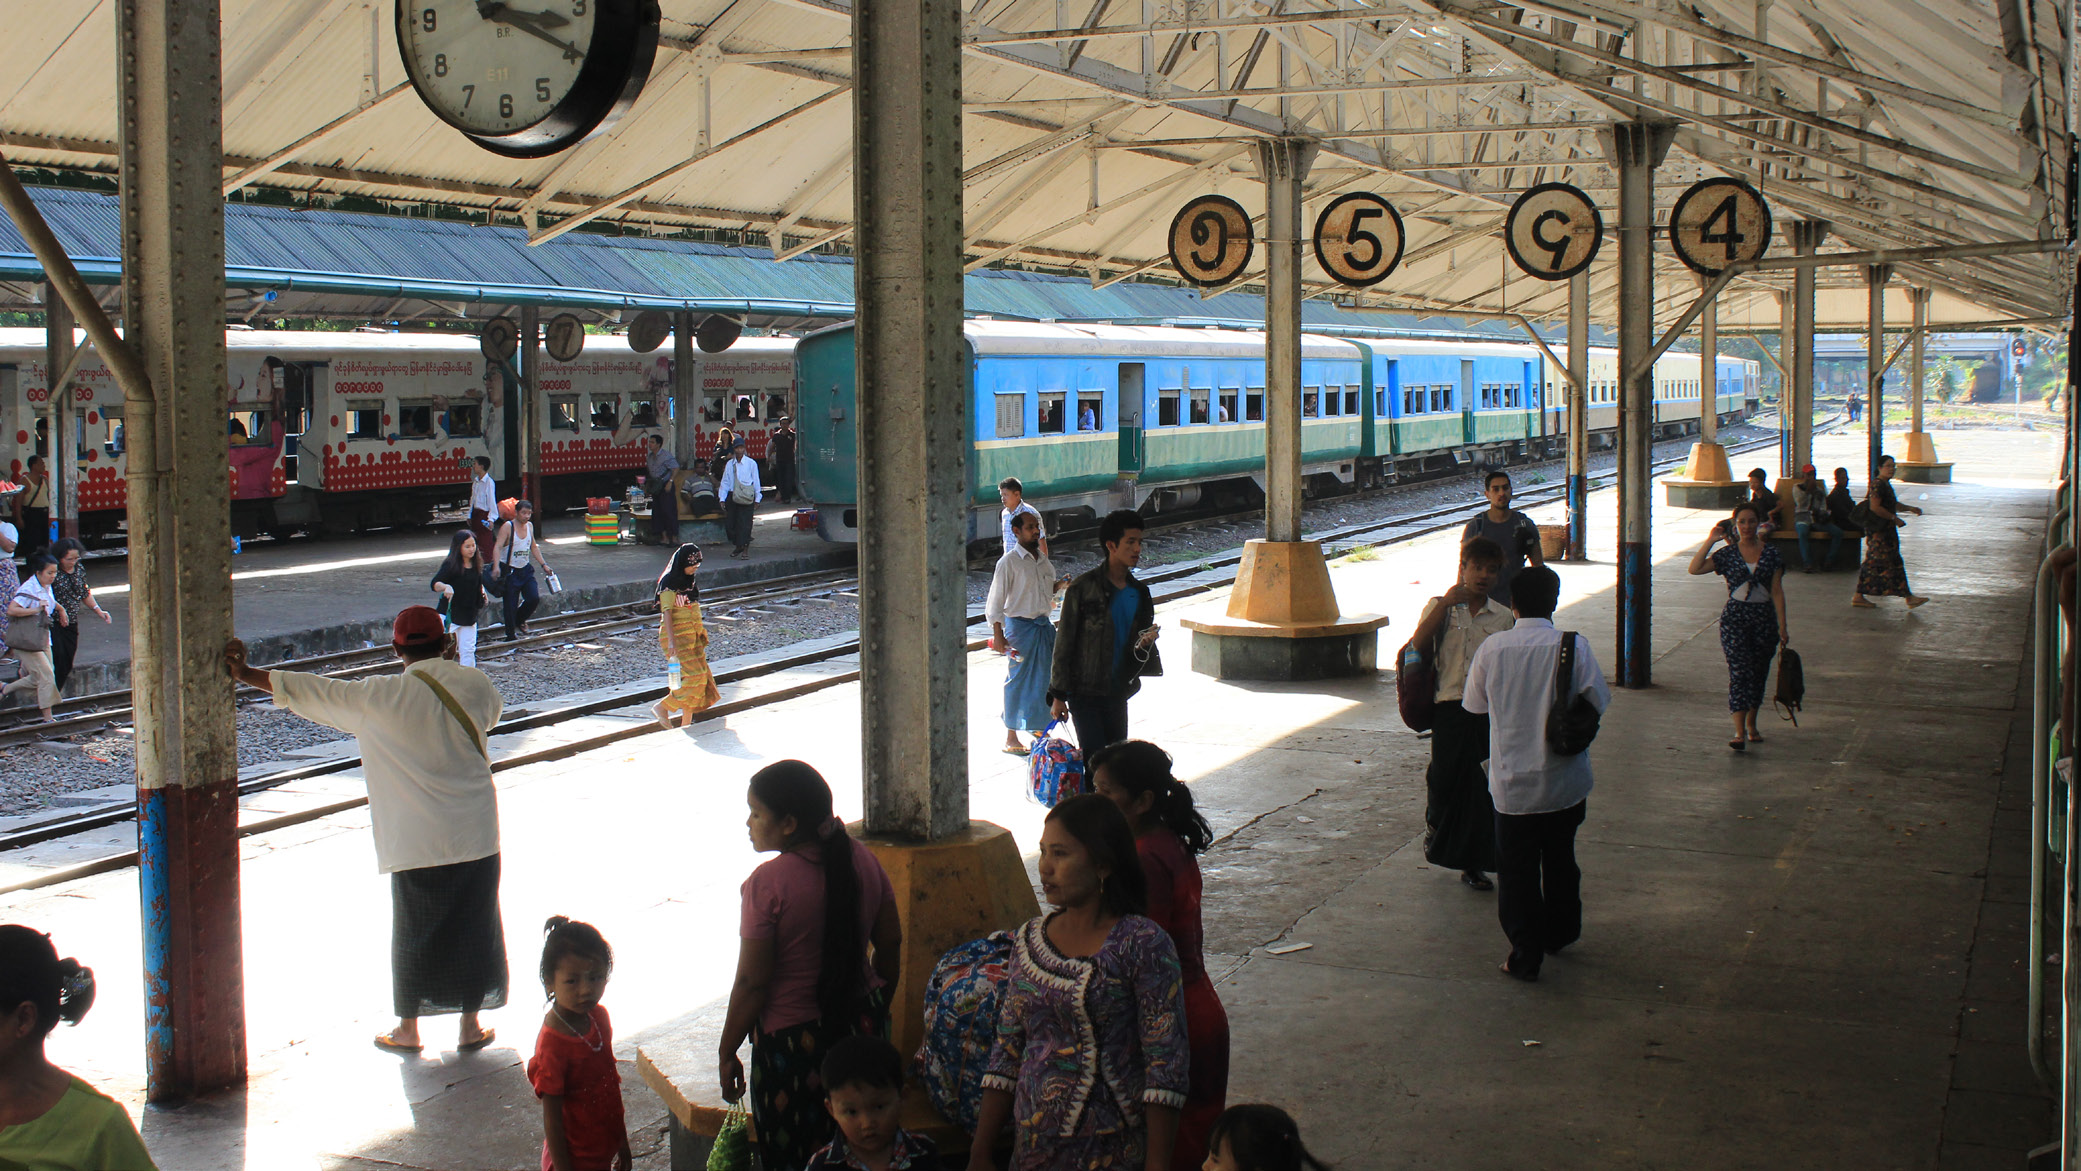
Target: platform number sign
<point x="649" y="330"/>
<point x="1211" y="240"/>
<point x="1358" y="239"/>
<point x="500" y="339"/>
<point x="1553" y="231"/>
<point x="564" y="337"/>
<point x="1717" y="223"/>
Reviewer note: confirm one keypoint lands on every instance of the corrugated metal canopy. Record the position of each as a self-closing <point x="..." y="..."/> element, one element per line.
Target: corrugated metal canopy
<point x="1904" y="123"/>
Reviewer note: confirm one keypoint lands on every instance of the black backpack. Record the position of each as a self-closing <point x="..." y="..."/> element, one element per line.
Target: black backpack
<point x="1791" y="685"/>
<point x="1572" y="723"/>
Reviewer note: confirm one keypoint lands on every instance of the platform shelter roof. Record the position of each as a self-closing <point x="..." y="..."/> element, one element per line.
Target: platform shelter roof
<point x="1904" y="123"/>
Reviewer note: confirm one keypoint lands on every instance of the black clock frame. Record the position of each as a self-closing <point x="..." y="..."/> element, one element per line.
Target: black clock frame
<point x="618" y="60"/>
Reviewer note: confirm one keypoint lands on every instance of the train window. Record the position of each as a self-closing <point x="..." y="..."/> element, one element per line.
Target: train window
<point x="776" y="406"/>
<point x="1380" y="404"/>
<point x="1199" y="406"/>
<point x="643" y="413"/>
<point x="1332" y="398"/>
<point x="1311" y="402"/>
<point x="747" y="408"/>
<point x="1092" y="403"/>
<point x="1054" y="408"/>
<point x="1225" y="405"/>
<point x="563" y="414"/>
<point x="606" y="414"/>
<point x="415" y="420"/>
<point x="246" y="427"/>
<point x="467" y="418"/>
<point x="365" y="420"/>
<point x="1253" y="405"/>
<point x="1441" y="396"/>
<point x="712" y="411"/>
<point x="1513" y="394"/>
<point x="1415" y="399"/>
<point x="112" y="422"/>
<point x="1168" y="407"/>
<point x="1351" y="400"/>
<point x="1011" y="416"/>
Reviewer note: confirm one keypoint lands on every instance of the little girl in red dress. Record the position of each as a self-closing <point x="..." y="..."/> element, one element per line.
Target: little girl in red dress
<point x="573" y="1067"/>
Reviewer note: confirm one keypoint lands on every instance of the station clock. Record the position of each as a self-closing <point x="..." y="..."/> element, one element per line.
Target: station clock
<point x="529" y="78"/>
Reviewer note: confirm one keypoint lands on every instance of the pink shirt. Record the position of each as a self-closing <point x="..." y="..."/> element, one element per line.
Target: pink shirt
<point x="784" y="902"/>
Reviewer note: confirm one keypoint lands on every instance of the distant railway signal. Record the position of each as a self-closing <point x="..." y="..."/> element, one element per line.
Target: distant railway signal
<point x="1211" y="240"/>
<point x="1358" y="239"/>
<point x="1717" y="223"/>
<point x="1553" y="231"/>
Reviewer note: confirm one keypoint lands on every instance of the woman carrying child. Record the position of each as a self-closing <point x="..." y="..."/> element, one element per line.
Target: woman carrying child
<point x="1168" y="834"/>
<point x="1091" y="1060"/>
<point x="573" y="1067"/>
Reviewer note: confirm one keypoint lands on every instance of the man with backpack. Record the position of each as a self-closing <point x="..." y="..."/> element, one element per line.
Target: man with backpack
<point x="740" y="493"/>
<point x="1540" y="788"/>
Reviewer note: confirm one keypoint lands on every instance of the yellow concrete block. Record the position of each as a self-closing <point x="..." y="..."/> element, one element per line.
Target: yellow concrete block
<point x="1283" y="583"/>
<point x="948" y="892"/>
<point x="1708" y="464"/>
<point x="1921" y="449"/>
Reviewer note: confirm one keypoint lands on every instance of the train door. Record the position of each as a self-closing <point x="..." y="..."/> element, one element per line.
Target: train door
<point x="1467" y="399"/>
<point x="299" y="392"/>
<point x="1128" y="409"/>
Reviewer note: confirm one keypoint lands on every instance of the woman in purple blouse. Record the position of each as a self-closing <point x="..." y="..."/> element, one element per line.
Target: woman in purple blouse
<point x="1091" y="1057"/>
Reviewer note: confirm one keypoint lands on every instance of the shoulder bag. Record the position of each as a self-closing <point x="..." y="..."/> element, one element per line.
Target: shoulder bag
<point x="29" y="634"/>
<point x="1416" y="685"/>
<point x="1572" y="722"/>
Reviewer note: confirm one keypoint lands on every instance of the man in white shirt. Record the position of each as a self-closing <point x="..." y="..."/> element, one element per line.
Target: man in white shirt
<point x="433" y="812"/>
<point x="740" y="492"/>
<point x="484" y="504"/>
<point x="1012" y="494"/>
<point x="1022" y="595"/>
<point x="1540" y="795"/>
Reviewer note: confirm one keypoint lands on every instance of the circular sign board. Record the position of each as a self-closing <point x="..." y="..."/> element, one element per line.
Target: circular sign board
<point x="1718" y="222"/>
<point x="1211" y="240"/>
<point x="1554" y="231"/>
<point x="500" y="339"/>
<point x="1358" y="239"/>
<point x="717" y="333"/>
<point x="649" y="330"/>
<point x="564" y="337"/>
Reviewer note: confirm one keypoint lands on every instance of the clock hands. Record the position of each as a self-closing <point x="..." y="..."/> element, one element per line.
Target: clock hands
<point x="535" y="24"/>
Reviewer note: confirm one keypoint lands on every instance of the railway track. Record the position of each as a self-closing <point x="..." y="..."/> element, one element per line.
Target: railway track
<point x="1169" y="584"/>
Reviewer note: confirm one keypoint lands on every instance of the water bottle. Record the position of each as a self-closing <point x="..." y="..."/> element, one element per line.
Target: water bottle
<point x="672" y="673"/>
<point x="1011" y="652"/>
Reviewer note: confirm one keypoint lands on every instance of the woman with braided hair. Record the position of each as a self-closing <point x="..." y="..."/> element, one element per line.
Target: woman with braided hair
<point x="50" y="1119"/>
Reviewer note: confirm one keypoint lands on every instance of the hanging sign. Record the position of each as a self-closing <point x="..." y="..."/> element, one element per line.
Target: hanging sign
<point x="564" y="337"/>
<point x="1358" y="239"/>
<point x="1211" y="240"/>
<point x="649" y="330"/>
<point x="500" y="339"/>
<point x="1719" y="222"/>
<point x="1554" y="231"/>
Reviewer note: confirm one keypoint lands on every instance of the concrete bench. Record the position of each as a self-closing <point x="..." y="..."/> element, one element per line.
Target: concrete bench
<point x="1852" y="551"/>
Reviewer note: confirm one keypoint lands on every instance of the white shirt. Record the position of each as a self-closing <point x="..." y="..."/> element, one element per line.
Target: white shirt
<point x="1464" y="633"/>
<point x="519" y="548"/>
<point x="1004" y="522"/>
<point x="431" y="801"/>
<point x="484" y="496"/>
<point x="732" y="477"/>
<point x="1512" y="680"/>
<point x="1023" y="586"/>
<point x="34" y="592"/>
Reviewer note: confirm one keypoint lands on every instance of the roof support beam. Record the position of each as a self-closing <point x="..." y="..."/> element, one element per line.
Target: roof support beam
<point x="274" y="161"/>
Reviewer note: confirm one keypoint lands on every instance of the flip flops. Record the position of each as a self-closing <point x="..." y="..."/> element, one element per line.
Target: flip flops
<point x="384" y="1043"/>
<point x="487" y="1038"/>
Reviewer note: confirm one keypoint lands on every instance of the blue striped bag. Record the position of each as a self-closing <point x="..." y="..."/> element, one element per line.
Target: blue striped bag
<point x="1055" y="769"/>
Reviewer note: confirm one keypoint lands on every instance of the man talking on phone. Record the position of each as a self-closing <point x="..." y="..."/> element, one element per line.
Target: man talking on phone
<point x="1106" y="639"/>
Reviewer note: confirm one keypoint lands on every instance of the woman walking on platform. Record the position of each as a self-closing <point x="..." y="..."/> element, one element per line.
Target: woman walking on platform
<point x="76" y="596"/>
<point x="1168" y="833"/>
<point x="1752" y="625"/>
<point x="33" y="605"/>
<point x="806" y="978"/>
<point x="1459" y="816"/>
<point x="1883" y="572"/>
<point x="460" y="582"/>
<point x="684" y="640"/>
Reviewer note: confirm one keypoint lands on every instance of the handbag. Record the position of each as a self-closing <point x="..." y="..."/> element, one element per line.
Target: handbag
<point x="732" y="1149"/>
<point x="1055" y="768"/>
<point x="1791" y="692"/>
<point x="1572" y="722"/>
<point x="1416" y="686"/>
<point x="29" y="634"/>
<point x="1864" y="518"/>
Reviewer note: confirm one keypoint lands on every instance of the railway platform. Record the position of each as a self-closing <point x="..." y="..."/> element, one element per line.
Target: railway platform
<point x="304" y="596"/>
<point x="1807" y="955"/>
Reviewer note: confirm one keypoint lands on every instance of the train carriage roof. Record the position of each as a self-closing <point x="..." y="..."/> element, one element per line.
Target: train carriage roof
<point x="1130" y="341"/>
<point x="319" y="344"/>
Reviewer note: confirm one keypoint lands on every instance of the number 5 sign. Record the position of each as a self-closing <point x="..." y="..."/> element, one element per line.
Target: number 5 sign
<point x="1358" y="239"/>
<point x="1554" y="231"/>
<point x="1719" y="222"/>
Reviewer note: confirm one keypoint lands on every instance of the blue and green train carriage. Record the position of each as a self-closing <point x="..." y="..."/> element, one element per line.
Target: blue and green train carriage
<point x="1096" y="417"/>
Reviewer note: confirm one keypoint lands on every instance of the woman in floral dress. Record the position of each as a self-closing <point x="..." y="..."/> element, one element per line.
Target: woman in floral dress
<point x="1091" y="1062"/>
<point x="681" y="636"/>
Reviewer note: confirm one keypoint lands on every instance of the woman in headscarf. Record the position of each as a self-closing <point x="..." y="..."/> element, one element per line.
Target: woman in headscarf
<point x="684" y="639"/>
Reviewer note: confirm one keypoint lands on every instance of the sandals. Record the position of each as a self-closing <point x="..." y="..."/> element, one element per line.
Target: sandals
<point x="483" y="1039"/>
<point x="658" y="713"/>
<point x="1477" y="880"/>
<point x="385" y="1043"/>
<point x="1861" y="604"/>
<point x="1738" y="745"/>
<point x="1021" y="753"/>
<point x="1915" y="601"/>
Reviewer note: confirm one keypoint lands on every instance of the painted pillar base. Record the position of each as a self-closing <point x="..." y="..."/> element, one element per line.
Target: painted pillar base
<point x="1707" y="495"/>
<point x="1921" y="449"/>
<point x="1708" y="463"/>
<point x="1920" y="464"/>
<point x="1282" y="621"/>
<point x="948" y="892"/>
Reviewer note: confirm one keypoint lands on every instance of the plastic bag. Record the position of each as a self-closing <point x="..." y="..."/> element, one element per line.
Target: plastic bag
<point x="732" y="1149"/>
<point x="1055" y="768"/>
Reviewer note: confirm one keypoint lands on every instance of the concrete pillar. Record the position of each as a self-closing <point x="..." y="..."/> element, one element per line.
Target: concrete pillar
<point x="171" y="181"/>
<point x="1283" y="165"/>
<point x="1788" y="346"/>
<point x="1921" y="450"/>
<point x="1875" y="276"/>
<point x="1807" y="236"/>
<point x="1635" y="150"/>
<point x="1709" y="372"/>
<point x="525" y="399"/>
<point x="1579" y="416"/>
<point x="64" y="460"/>
<point x="1707" y="481"/>
<point x="686" y="389"/>
<point x="913" y="422"/>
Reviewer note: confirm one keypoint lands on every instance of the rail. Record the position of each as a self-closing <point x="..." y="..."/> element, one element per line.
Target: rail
<point x="2044" y="703"/>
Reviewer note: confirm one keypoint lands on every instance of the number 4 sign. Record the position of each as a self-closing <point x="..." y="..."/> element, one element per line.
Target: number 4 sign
<point x="1719" y="222"/>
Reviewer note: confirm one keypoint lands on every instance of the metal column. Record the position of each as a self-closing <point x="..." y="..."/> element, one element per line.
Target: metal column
<point x="1283" y="165"/>
<point x="1807" y="236"/>
<point x="180" y="544"/>
<point x="1875" y="276"/>
<point x="1635" y="150"/>
<point x="686" y="389"/>
<point x="1788" y="345"/>
<point x="64" y="460"/>
<point x="525" y="396"/>
<point x="1709" y="373"/>
<point x="1579" y="416"/>
<point x="912" y="437"/>
<point x="1919" y="299"/>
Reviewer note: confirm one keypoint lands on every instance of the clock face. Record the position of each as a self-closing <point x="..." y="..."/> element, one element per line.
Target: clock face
<point x="527" y="77"/>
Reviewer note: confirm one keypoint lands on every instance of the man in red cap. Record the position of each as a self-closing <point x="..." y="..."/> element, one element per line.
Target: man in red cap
<point x="433" y="812"/>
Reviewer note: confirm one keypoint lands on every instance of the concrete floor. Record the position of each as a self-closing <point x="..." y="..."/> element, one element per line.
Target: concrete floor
<point x="1805" y="956"/>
